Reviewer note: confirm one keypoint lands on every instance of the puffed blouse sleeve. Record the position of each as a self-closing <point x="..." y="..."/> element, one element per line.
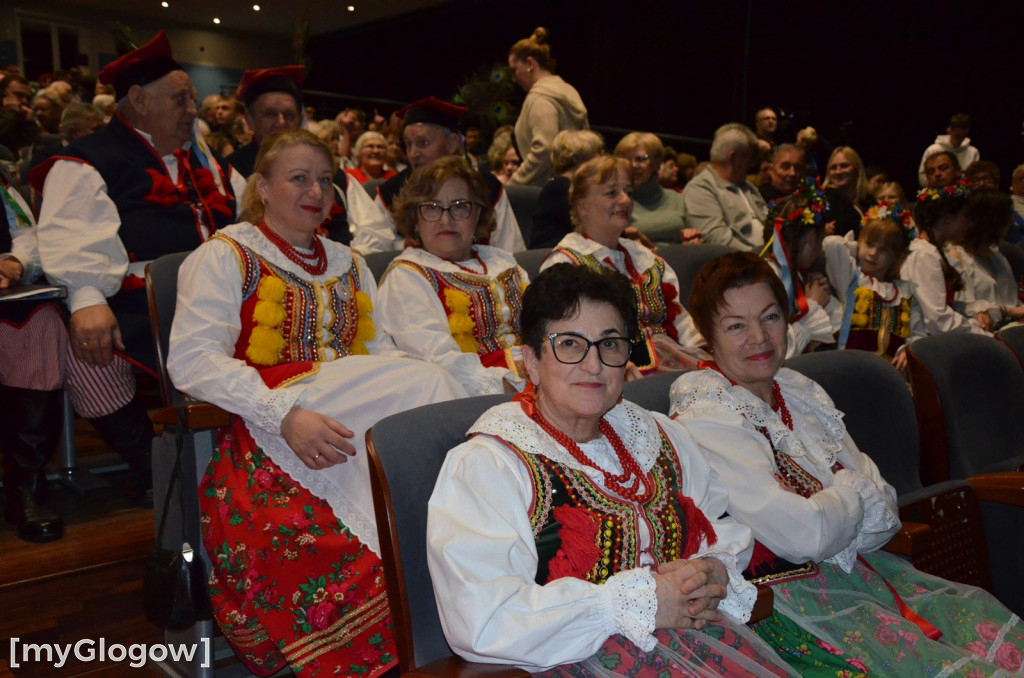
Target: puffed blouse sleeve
<point x="483" y="562"/>
<point x="855" y="510"/>
<point x="409" y="310"/>
<point x="207" y="323"/>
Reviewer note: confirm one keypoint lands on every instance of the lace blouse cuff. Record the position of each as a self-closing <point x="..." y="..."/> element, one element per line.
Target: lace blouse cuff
<point x="845" y="559"/>
<point x="273" y="407"/>
<point x="634" y="603"/>
<point x="740" y="595"/>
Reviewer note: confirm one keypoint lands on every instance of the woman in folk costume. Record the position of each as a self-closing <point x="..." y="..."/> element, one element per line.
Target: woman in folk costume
<point x="880" y="313"/>
<point x="819" y="509"/>
<point x="601" y="198"/>
<point x="577" y="534"/>
<point x="445" y="298"/>
<point x="273" y="324"/>
<point x="798" y="222"/>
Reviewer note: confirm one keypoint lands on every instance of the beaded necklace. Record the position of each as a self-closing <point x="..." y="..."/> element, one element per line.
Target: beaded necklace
<point x="476" y="255"/>
<point x="314" y="263"/>
<point x="641" y="485"/>
<point x="778" y="404"/>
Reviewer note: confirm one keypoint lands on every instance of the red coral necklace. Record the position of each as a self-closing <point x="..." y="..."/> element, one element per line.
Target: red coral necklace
<point x="314" y="264"/>
<point x="640" y="484"/>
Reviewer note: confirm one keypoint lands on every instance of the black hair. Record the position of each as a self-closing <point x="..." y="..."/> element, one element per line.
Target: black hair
<point x="558" y="291"/>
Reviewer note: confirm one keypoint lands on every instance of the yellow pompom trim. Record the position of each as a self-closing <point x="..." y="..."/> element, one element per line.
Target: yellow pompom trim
<point x="859" y="320"/>
<point x="266" y="342"/>
<point x="365" y="329"/>
<point x="459" y="322"/>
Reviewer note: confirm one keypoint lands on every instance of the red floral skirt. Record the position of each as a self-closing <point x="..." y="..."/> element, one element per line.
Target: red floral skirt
<point x="290" y="584"/>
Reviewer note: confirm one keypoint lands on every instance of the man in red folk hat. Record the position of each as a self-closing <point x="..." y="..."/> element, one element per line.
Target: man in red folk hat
<point x="112" y="201"/>
<point x="429" y="131"/>
<point x="273" y="97"/>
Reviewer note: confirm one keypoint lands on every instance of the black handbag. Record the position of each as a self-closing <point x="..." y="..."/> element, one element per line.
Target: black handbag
<point x="174" y="594"/>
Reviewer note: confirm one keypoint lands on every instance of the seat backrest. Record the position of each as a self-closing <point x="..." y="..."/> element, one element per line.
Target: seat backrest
<point x="969" y="393"/>
<point x="523" y="200"/>
<point x="878" y="409"/>
<point x="406" y="451"/>
<point x="1014" y="255"/>
<point x="531" y="260"/>
<point x="162" y="290"/>
<point x="371" y="186"/>
<point x="1013" y="337"/>
<point x="686" y="260"/>
<point x="378" y="262"/>
<point x="651" y="393"/>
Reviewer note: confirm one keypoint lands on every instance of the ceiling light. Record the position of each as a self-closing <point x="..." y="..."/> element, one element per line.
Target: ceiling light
<point x="255" y="8"/>
<point x="216" y="20"/>
<point x="164" y="4"/>
<point x="351" y="8"/>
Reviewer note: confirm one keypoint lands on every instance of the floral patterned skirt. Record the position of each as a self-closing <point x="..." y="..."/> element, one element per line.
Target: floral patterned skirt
<point x="289" y="583"/>
<point x="847" y="625"/>
<point x="720" y="649"/>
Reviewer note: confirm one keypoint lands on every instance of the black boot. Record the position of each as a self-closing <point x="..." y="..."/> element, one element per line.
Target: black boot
<point x="130" y="432"/>
<point x="30" y="422"/>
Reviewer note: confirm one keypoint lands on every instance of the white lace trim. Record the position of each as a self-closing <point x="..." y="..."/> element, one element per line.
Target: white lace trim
<point x="634" y="605"/>
<point x="274" y="407"/>
<point x="740" y="594"/>
<point x="635" y="426"/>
<point x="903" y="289"/>
<point x="818" y="428"/>
<point x="497" y="260"/>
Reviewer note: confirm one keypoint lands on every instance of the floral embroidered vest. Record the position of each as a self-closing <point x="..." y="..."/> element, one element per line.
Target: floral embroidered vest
<point x="582" y="531"/>
<point x="657" y="306"/>
<point x="474" y="305"/>
<point x="283" y="315"/>
<point x="876" y="326"/>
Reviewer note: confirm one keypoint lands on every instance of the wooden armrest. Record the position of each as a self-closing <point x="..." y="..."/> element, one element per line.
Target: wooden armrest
<point x="457" y="667"/>
<point x="198" y="416"/>
<point x="764" y="605"/>
<point x="1006" y="487"/>
<point x="912" y="539"/>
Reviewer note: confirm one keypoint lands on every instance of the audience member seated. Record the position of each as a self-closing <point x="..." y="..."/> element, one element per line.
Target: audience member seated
<point x="448" y="300"/>
<point x="1016" y="232"/>
<point x="569" y="150"/>
<point x="271" y="319"/>
<point x="890" y="192"/>
<point x="687" y="169"/>
<point x="721" y="203"/>
<point x="941" y="169"/>
<point x="939" y="214"/>
<point x="849" y="196"/>
<point x="47" y="108"/>
<point x="983" y="174"/>
<point x="989" y="290"/>
<point x="875" y="177"/>
<point x="33" y="346"/>
<point x="18" y="127"/>
<point x="352" y="123"/>
<point x="880" y="312"/>
<point x="793" y="474"/>
<point x="551" y="105"/>
<point x="430" y="133"/>
<point x="786" y="173"/>
<point x="766" y="123"/>
<point x="955" y="142"/>
<point x="113" y="201"/>
<point x="77" y="120"/>
<point x="601" y="200"/>
<point x="502" y="158"/>
<point x="395" y="157"/>
<point x="580" y="533"/>
<point x="668" y="171"/>
<point x="274" y="102"/>
<point x="799" y="225"/>
<point x="658" y="214"/>
<point x="370" y="153"/>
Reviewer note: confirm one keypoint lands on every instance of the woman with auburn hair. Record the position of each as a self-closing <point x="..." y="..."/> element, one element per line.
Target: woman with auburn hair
<point x="446" y="298"/>
<point x="275" y="324"/>
<point x="551" y="105"/>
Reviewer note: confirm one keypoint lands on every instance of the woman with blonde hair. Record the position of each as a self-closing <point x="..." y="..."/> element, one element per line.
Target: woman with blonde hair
<point x="570" y="149"/>
<point x="847" y="190"/>
<point x="551" y="105"/>
<point x="657" y="213"/>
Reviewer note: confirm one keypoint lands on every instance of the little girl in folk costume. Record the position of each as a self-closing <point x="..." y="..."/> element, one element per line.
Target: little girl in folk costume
<point x="799" y="225"/>
<point x="880" y="313"/>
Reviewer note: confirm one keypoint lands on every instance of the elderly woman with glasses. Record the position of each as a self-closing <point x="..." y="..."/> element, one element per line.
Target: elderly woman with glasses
<point x="579" y="533"/>
<point x="445" y="298"/>
<point x="601" y="201"/>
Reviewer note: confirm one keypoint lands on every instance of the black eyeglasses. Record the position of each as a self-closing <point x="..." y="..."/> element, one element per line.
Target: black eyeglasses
<point x="457" y="211"/>
<point x="571" y="348"/>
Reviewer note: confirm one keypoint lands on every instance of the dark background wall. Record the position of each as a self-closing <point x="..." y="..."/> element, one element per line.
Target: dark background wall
<point x="881" y="76"/>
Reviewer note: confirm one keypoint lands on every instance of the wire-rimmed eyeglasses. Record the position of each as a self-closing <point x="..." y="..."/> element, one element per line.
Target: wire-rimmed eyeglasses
<point x="457" y="211"/>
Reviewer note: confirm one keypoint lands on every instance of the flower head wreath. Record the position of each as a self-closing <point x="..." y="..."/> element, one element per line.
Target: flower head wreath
<point x="960" y="188"/>
<point x="812" y="213"/>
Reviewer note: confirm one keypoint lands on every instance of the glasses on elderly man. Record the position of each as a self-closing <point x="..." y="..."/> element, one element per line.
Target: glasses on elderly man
<point x="457" y="211"/>
<point x="571" y="348"/>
